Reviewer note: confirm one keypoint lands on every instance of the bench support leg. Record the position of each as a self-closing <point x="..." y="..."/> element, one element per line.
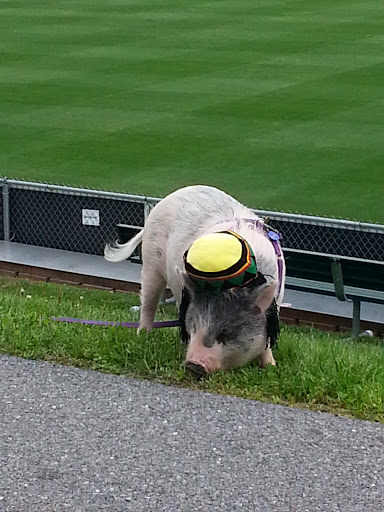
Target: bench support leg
<point x="356" y="318"/>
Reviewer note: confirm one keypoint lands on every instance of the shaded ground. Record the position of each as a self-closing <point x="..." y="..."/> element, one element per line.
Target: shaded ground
<point x="79" y="440"/>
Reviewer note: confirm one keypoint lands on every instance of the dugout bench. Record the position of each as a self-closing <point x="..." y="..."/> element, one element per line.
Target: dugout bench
<point x="349" y="279"/>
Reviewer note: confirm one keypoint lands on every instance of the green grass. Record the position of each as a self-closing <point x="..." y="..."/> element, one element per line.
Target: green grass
<point x="277" y="101"/>
<point x="315" y="370"/>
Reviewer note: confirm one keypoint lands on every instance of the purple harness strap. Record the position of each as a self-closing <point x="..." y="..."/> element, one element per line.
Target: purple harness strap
<point x="166" y="323"/>
<point x="275" y="238"/>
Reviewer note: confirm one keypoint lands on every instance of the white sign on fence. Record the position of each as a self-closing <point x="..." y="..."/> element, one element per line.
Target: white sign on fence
<point x="91" y="217"/>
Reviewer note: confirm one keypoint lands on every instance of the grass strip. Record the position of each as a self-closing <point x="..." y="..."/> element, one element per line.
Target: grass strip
<point x="315" y="370"/>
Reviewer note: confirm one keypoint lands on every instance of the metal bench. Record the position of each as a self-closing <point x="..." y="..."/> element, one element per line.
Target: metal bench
<point x="349" y="279"/>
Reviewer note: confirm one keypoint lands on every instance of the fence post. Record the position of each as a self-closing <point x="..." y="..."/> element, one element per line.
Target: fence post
<point x="148" y="207"/>
<point x="6" y="210"/>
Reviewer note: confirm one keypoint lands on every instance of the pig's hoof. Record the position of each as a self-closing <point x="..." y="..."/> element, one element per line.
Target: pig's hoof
<point x="196" y="370"/>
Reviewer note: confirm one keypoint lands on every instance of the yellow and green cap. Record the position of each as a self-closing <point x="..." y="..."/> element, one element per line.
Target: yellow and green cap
<point x="220" y="260"/>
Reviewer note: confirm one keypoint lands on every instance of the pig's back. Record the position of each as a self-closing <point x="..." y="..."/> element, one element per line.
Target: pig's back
<point x="190" y="211"/>
<point x="178" y="220"/>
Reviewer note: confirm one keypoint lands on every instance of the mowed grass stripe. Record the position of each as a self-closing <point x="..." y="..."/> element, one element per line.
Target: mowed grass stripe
<point x="268" y="100"/>
<point x="88" y="119"/>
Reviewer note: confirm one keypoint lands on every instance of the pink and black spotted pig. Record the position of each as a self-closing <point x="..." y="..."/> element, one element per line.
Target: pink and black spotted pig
<point x="225" y="269"/>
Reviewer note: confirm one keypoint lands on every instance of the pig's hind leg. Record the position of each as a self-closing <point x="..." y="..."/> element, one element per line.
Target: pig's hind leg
<point x="152" y="288"/>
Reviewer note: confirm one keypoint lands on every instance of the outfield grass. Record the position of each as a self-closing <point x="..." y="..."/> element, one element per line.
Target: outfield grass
<point x="280" y="102"/>
<point x="315" y="370"/>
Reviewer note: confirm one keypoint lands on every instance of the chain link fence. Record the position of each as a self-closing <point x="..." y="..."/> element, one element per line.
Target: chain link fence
<point x="83" y="220"/>
<point x="329" y="236"/>
<point x="71" y="219"/>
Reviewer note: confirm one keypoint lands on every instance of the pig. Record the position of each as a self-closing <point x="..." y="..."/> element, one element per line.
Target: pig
<point x="225" y="329"/>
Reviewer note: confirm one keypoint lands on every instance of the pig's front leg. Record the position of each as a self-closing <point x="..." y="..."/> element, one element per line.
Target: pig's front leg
<point x="266" y="357"/>
<point x="152" y="288"/>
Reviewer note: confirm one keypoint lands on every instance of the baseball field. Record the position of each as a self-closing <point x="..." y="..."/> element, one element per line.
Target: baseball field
<point x="279" y="102"/>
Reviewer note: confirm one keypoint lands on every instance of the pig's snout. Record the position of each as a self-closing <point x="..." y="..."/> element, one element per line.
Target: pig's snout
<point x="202" y="360"/>
<point x="196" y="370"/>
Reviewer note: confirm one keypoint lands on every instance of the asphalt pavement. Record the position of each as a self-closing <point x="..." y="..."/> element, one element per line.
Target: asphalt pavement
<point x="75" y="440"/>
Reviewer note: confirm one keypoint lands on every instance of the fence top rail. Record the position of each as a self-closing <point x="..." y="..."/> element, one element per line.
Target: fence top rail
<point x="62" y="189"/>
<point x="282" y="216"/>
<point x="322" y="221"/>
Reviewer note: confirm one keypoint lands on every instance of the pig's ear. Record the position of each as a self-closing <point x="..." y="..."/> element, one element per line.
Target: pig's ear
<point x="263" y="298"/>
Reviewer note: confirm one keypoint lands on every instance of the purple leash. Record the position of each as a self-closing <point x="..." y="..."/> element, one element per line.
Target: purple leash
<point x="166" y="323"/>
